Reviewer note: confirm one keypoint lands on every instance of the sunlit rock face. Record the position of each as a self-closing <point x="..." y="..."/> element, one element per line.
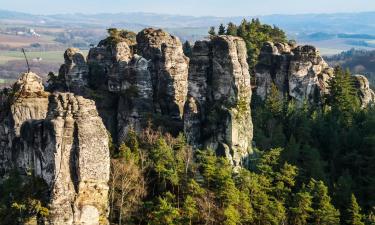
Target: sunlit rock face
<point x="298" y="72"/>
<point x="217" y="112"/>
<point x="60" y="138"/>
<point x="169" y="70"/>
<point x="365" y="93"/>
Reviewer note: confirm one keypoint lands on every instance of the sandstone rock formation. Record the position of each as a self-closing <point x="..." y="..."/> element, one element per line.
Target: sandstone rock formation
<point x="62" y="140"/>
<point x="217" y="113"/>
<point x="366" y="94"/>
<point x="153" y="81"/>
<point x="169" y="70"/>
<point x="75" y="70"/>
<point x="298" y="72"/>
<point x="29" y="101"/>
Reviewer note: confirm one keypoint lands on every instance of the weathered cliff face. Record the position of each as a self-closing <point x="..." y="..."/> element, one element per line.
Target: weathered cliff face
<point x="169" y="70"/>
<point x="366" y="95"/>
<point x="29" y="101"/>
<point x="62" y="140"/>
<point x="136" y="97"/>
<point x="298" y="72"/>
<point x="74" y="71"/>
<point x="151" y="82"/>
<point x="217" y="113"/>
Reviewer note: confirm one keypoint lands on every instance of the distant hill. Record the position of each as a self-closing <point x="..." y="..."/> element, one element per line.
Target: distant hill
<point x="358" y="61"/>
<point x="332" y="33"/>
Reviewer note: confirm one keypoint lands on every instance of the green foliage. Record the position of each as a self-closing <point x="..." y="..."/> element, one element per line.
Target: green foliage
<point x="354" y="216"/>
<point x="255" y="35"/>
<point x="221" y="29"/>
<point x="187" y="49"/>
<point x="343" y="96"/>
<point x="212" y="31"/>
<point x="23" y="198"/>
<point x="165" y="213"/>
<point x="118" y="35"/>
<point x="324" y="212"/>
<point x="301" y="209"/>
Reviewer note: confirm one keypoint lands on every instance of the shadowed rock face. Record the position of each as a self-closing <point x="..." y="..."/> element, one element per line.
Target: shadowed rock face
<point x="74" y="70"/>
<point x="60" y="138"/>
<point x="29" y="102"/>
<point x="298" y="72"/>
<point x="217" y="113"/>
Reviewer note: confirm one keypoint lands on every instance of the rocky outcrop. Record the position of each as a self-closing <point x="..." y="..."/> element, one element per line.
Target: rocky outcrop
<point x="61" y="139"/>
<point x="298" y="72"/>
<point x="365" y="93"/>
<point x="217" y="113"/>
<point x="151" y="82"/>
<point x="26" y="101"/>
<point x="74" y="71"/>
<point x="169" y="70"/>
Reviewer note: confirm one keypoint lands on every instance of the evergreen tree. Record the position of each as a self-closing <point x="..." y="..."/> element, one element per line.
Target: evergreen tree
<point x="342" y="97"/>
<point x="165" y="213"/>
<point x="212" y="31"/>
<point x="187" y="49"/>
<point x="301" y="209"/>
<point x="324" y="212"/>
<point x="231" y="29"/>
<point x="190" y="211"/>
<point x="221" y="29"/>
<point x="354" y="216"/>
<point x="273" y="102"/>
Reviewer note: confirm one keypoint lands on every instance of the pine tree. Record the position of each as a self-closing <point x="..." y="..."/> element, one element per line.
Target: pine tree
<point x="221" y="29"/>
<point x="342" y="95"/>
<point x="212" y="31"/>
<point x="324" y="212"/>
<point x="165" y="213"/>
<point x="231" y="29"/>
<point x="190" y="211"/>
<point x="354" y="216"/>
<point x="274" y="103"/>
<point x="187" y="49"/>
<point x="301" y="209"/>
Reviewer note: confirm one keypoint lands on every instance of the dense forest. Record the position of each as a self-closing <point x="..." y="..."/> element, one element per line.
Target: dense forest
<point x="312" y="164"/>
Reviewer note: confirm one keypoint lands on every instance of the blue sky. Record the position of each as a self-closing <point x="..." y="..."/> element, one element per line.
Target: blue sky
<point x="190" y="7"/>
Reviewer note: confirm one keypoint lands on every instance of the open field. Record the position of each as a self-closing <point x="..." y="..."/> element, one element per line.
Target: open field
<point x="47" y="56"/>
<point x="16" y="41"/>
